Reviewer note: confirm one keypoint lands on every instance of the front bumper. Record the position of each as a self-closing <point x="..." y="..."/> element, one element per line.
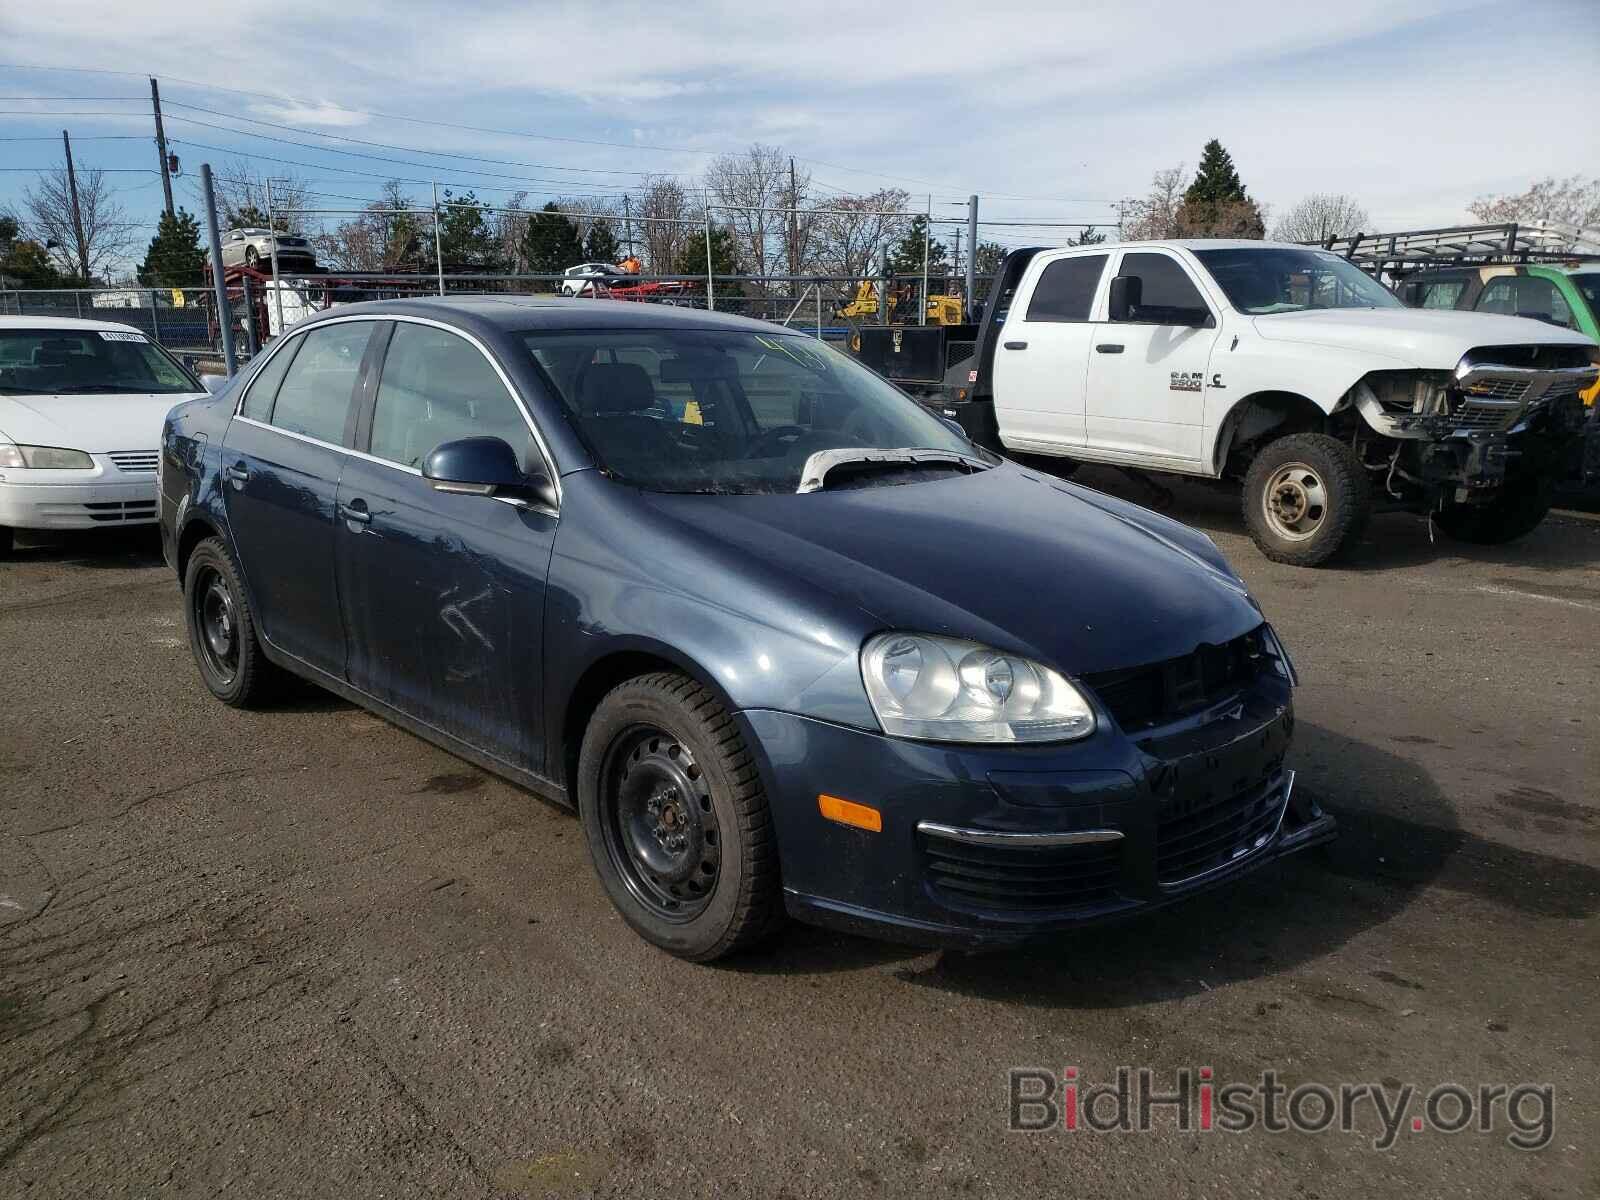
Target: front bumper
<point x="86" y="499"/>
<point x="994" y="846"/>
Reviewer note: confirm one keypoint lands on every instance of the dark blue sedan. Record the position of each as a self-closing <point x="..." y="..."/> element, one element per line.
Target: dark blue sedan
<point x="787" y="642"/>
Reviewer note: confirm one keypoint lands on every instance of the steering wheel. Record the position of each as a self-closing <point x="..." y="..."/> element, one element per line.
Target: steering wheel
<point x="777" y="440"/>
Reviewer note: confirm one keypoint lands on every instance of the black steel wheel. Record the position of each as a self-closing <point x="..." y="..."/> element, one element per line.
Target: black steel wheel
<point x="677" y="820"/>
<point x="222" y="629"/>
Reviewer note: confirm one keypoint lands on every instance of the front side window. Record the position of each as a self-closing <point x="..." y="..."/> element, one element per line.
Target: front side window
<point x="1277" y="279"/>
<point x="722" y="411"/>
<point x="82" y="362"/>
<point x="1065" y="291"/>
<point x="314" y="397"/>
<point x="1167" y="294"/>
<point x="436" y="388"/>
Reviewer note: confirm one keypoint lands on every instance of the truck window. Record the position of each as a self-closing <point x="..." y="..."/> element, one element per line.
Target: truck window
<point x="1438" y="293"/>
<point x="1526" y="296"/>
<point x="1167" y="286"/>
<point x="1066" y="289"/>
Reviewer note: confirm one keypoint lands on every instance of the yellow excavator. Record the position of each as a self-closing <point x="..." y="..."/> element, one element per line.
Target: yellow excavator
<point x="943" y="309"/>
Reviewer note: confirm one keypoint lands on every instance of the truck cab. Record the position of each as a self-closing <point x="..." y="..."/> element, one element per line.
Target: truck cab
<point x="1284" y="368"/>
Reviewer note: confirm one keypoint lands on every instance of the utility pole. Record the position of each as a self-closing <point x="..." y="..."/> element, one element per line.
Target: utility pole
<point x="955" y="261"/>
<point x="161" y="144"/>
<point x="794" y="222"/>
<point x="627" y="221"/>
<point x="218" y="281"/>
<point x="77" y="213"/>
<point x="972" y="251"/>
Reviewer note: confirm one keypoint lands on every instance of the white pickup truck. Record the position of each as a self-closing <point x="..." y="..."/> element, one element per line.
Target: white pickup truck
<point x="1280" y="366"/>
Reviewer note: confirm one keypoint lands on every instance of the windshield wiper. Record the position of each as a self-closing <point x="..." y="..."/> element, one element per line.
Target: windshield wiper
<point x="813" y="476"/>
<point x="84" y="389"/>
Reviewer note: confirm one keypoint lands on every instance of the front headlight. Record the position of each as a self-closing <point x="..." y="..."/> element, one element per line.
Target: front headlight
<point x="41" y="458"/>
<point x="947" y="690"/>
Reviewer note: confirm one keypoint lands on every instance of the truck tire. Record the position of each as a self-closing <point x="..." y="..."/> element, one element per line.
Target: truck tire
<point x="1305" y="497"/>
<point x="1516" y="511"/>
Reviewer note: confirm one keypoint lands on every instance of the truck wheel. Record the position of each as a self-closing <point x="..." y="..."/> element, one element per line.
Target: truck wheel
<point x="677" y="820"/>
<point x="1305" y="496"/>
<point x="1517" y="510"/>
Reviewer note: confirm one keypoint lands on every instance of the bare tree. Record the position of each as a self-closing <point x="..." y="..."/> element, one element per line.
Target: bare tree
<point x="1571" y="201"/>
<point x="754" y="189"/>
<point x="1156" y="216"/>
<point x="92" y="245"/>
<point x="667" y="220"/>
<point x="376" y="239"/>
<point x="853" y="232"/>
<point x="242" y="198"/>
<point x="1320" y="216"/>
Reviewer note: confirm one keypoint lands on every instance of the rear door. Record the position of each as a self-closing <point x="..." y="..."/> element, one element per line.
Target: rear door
<point x="1043" y="356"/>
<point x="281" y="461"/>
<point x="443" y="595"/>
<point x="1147" y="377"/>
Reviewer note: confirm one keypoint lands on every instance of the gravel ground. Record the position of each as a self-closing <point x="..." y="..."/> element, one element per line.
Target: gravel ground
<point x="299" y="952"/>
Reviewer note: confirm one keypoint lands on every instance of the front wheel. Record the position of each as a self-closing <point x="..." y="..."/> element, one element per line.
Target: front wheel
<point x="677" y="820"/>
<point x="1516" y="511"/>
<point x="1306" y="496"/>
<point x="222" y="628"/>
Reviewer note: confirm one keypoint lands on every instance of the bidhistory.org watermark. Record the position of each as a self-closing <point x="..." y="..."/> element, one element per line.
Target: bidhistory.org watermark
<point x="1192" y="1100"/>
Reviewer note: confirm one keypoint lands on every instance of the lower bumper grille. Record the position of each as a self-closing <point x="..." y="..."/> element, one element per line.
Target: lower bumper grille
<point x="110" y="511"/>
<point x="1023" y="879"/>
<point x="1201" y="835"/>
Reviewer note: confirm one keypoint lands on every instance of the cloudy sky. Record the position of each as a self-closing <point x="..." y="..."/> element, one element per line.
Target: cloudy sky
<point x="1048" y="110"/>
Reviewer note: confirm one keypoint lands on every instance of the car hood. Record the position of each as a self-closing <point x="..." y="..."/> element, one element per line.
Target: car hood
<point x="1430" y="338"/>
<point x="1009" y="557"/>
<point x="93" y="423"/>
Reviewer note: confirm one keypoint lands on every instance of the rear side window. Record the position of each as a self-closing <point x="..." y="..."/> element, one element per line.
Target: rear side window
<point x="1167" y="286"/>
<point x="1526" y="296"/>
<point x="1439" y="293"/>
<point x="264" y="387"/>
<point x="1066" y="290"/>
<point x="314" y="397"/>
<point x="436" y="388"/>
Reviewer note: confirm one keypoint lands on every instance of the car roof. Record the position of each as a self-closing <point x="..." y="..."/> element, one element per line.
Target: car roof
<point x="61" y="323"/>
<point x="528" y="313"/>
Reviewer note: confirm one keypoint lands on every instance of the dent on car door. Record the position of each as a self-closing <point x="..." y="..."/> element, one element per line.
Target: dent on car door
<point x="281" y="460"/>
<point x="1148" y="375"/>
<point x="443" y="594"/>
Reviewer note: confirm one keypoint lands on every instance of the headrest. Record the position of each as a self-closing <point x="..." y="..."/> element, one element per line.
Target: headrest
<point x="614" y="388"/>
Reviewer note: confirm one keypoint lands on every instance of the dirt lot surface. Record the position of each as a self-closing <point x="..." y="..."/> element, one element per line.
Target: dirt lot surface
<point x="299" y="952"/>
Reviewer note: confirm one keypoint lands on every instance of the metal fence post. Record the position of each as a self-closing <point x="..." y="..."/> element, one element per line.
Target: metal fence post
<point x="272" y="235"/>
<point x="224" y="316"/>
<point x="972" y="253"/>
<point x="250" y="320"/>
<point x="77" y="299"/>
<point x="819" y="310"/>
<point x="711" y="297"/>
<point x="438" y="239"/>
<point x="155" y="317"/>
<point x="927" y="241"/>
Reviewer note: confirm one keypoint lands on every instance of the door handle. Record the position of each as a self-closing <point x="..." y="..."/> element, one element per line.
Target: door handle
<point x="356" y="513"/>
<point x="238" y="474"/>
<point x="1016" y="345"/>
<point x="1109" y="348"/>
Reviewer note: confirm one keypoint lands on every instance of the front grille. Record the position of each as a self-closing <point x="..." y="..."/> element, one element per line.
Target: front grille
<point x="1500" y="389"/>
<point x="1200" y="833"/>
<point x="1142" y="697"/>
<point x="111" y="511"/>
<point x="1480" y="417"/>
<point x="134" y="460"/>
<point x="1562" y="389"/>
<point x="1021" y="880"/>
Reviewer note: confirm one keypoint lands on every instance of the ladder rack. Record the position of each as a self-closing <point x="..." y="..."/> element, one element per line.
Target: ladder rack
<point x="1462" y="245"/>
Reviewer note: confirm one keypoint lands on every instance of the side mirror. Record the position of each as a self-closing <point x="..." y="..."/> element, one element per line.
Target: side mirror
<point x="214" y="383"/>
<point x="1127" y="293"/>
<point x="484" y="466"/>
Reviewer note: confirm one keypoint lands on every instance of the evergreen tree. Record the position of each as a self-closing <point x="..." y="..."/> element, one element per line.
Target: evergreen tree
<point x="1216" y="181"/>
<point x="551" y="243"/>
<point x="1087" y="237"/>
<point x="601" y="244"/>
<point x="1216" y="203"/>
<point x="24" y="262"/>
<point x="905" y="256"/>
<point x="464" y="235"/>
<point x="174" y="258"/>
<point x="724" y="259"/>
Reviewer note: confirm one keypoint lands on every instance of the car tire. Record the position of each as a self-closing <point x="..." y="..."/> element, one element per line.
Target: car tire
<point x="251" y="256"/>
<point x="1306" y="497"/>
<point x="1517" y="511"/>
<point x="7" y="541"/>
<point x="222" y="628"/>
<point x="677" y="820"/>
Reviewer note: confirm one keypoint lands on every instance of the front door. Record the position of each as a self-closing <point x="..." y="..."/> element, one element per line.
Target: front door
<point x="1147" y="377"/>
<point x="443" y="595"/>
<point x="281" y="461"/>
<point x="1043" y="356"/>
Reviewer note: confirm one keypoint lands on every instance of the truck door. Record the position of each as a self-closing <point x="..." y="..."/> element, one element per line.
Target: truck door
<point x="1147" y="375"/>
<point x="1043" y="356"/>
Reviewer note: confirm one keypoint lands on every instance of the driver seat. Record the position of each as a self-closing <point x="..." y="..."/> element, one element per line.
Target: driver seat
<point x="613" y="399"/>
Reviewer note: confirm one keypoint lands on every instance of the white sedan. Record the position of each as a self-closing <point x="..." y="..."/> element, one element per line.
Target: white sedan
<point x="81" y="406"/>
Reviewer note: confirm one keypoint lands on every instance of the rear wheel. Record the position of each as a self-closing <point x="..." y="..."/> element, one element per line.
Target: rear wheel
<point x="1516" y="511"/>
<point x="676" y="819"/>
<point x="1306" y="496"/>
<point x="251" y="256"/>
<point x="222" y="629"/>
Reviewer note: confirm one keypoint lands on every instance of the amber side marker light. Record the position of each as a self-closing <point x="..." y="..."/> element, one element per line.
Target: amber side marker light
<point x="847" y="812"/>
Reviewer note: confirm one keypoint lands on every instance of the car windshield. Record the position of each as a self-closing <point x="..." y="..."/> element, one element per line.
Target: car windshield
<point x="1286" y="279"/>
<point x="44" y="362"/>
<point x="1588" y="282"/>
<point x="730" y="412"/>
